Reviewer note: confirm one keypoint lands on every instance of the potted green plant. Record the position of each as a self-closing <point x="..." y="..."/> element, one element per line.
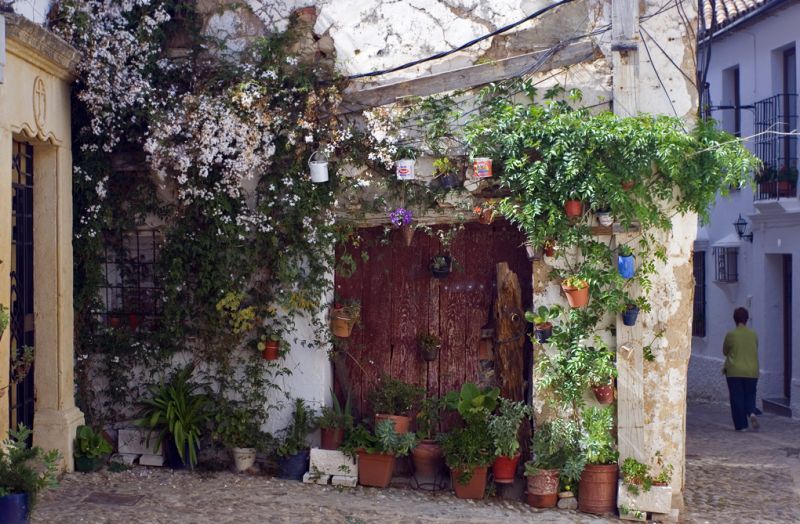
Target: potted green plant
<point x="597" y="487"/>
<point x="603" y="215"/>
<point x="378" y="451"/>
<point x="446" y="172"/>
<point x="24" y="473"/>
<point x="542" y="327"/>
<point x="553" y="443"/>
<point x="343" y="317"/>
<point x="334" y="421"/>
<point x="630" y="314"/>
<point x="429" y="346"/>
<point x="393" y="400"/>
<point x="91" y="449"/>
<point x="626" y="262"/>
<point x="600" y="369"/>
<point x="177" y="411"/>
<point x="504" y="431"/>
<point x="577" y="291"/>
<point x="239" y="431"/>
<point x="427" y="455"/>
<point x="293" y="452"/>
<point x="269" y="344"/>
<point x="402" y="219"/>
<point x="573" y="208"/>
<point x="441" y="264"/>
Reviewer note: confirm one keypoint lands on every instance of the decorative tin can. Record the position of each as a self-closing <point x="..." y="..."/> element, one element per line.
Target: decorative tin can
<point x="405" y="169"/>
<point x="482" y="167"/>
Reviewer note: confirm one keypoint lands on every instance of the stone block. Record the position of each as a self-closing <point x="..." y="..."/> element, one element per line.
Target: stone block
<point x="311" y="478"/>
<point x="331" y="462"/>
<point x="344" y="480"/>
<point x="133" y="440"/>
<point x="151" y="460"/>
<point x="657" y="500"/>
<point x="568" y="503"/>
<point x="125" y="458"/>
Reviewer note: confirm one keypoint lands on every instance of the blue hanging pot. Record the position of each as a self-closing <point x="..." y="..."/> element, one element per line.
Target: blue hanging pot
<point x="626" y="266"/>
<point x="629" y="315"/>
<point x="14" y="508"/>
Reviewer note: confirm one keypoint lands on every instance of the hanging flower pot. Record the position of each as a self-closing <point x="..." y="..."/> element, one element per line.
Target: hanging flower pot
<point x="482" y="167"/>
<point x="577" y="291"/>
<point x="270" y="351"/>
<point x="604" y="394"/>
<point x="549" y="248"/>
<point x="626" y="264"/>
<point x="627" y="185"/>
<point x="318" y="165"/>
<point x="405" y="169"/>
<point x="408" y="233"/>
<point x="543" y="332"/>
<point x="429" y="346"/>
<point x="604" y="218"/>
<point x="573" y="208"/>
<point x="402" y="218"/>
<point x="343" y="319"/>
<point x="449" y="180"/>
<point x="630" y="315"/>
<point x="441" y="266"/>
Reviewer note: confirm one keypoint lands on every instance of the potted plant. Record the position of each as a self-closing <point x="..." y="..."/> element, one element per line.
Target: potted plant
<point x="600" y="370"/>
<point x="269" y="345"/>
<point x="577" y="291"/>
<point x="177" y="411"/>
<point x="597" y="488"/>
<point x="239" y="431"/>
<point x="542" y="327"/>
<point x="91" y="449"/>
<point x="429" y="346"/>
<point x="446" y="172"/>
<point x="604" y="217"/>
<point x="504" y="431"/>
<point x="626" y="262"/>
<point x="549" y="248"/>
<point x="551" y="446"/>
<point x="393" y="400"/>
<point x="427" y="455"/>
<point x="630" y="314"/>
<point x="344" y="317"/>
<point x="377" y="452"/>
<point x="24" y="472"/>
<point x="402" y="219"/>
<point x="441" y="265"/>
<point x="293" y="452"/>
<point x="645" y="488"/>
<point x="334" y="421"/>
<point x="573" y="208"/>
<point x="486" y="212"/>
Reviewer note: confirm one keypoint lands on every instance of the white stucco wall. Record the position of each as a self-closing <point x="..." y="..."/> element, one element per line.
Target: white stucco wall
<point x="33" y="10"/>
<point x="776" y="228"/>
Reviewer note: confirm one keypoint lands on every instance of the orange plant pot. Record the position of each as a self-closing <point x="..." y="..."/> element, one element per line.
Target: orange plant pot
<point x="331" y="438"/>
<point x="573" y="208"/>
<point x="475" y="488"/>
<point x="604" y="394"/>
<point x="375" y="469"/>
<point x="576" y="297"/>
<point x="401" y="423"/>
<point x="270" y="351"/>
<point x="597" y="489"/>
<point x="505" y="468"/>
<point x="543" y="489"/>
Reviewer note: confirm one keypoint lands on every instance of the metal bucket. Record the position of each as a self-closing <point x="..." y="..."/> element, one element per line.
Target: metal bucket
<point x="319" y="167"/>
<point x="405" y="169"/>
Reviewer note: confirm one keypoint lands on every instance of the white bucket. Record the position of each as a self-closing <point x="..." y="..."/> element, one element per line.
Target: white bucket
<point x="405" y="169"/>
<point x="319" y="168"/>
<point x="243" y="458"/>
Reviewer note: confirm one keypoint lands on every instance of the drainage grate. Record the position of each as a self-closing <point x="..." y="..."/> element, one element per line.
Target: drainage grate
<point x="112" y="499"/>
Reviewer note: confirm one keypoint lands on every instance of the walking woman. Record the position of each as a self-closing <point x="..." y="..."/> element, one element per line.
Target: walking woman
<point x="741" y="369"/>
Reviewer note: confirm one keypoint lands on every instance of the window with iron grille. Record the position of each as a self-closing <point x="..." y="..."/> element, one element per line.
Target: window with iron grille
<point x="699" y="309"/>
<point x="132" y="294"/>
<point x="726" y="262"/>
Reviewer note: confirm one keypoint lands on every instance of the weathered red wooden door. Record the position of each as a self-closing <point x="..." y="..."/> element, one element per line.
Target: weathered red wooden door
<point x="401" y="300"/>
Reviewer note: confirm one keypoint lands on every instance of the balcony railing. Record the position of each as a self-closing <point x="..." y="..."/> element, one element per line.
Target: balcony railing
<point x="776" y="146"/>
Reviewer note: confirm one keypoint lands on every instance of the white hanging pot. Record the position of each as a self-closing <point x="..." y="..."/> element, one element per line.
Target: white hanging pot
<point x="318" y="167"/>
<point x="405" y="169"/>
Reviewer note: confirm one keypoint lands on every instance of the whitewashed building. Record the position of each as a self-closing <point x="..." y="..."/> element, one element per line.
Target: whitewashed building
<point x="748" y="60"/>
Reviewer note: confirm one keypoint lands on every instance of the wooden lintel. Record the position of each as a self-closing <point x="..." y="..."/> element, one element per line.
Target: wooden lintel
<point x="575" y="53"/>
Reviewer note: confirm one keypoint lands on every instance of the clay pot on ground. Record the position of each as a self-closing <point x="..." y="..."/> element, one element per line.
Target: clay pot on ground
<point x="401" y="422"/>
<point x="243" y="458"/>
<point x="270" y="351"/>
<point x="604" y="394"/>
<point x="505" y="468"/>
<point x="427" y="458"/>
<point x="543" y="488"/>
<point x="331" y="438"/>
<point x="375" y="469"/>
<point x="597" y="489"/>
<point x="573" y="208"/>
<point x="475" y="488"/>
<point x="577" y="297"/>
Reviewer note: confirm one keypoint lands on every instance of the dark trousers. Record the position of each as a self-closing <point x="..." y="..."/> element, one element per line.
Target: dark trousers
<point x="743" y="399"/>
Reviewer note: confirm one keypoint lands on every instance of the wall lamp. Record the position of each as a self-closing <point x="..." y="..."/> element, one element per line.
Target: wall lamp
<point x="741" y="227"/>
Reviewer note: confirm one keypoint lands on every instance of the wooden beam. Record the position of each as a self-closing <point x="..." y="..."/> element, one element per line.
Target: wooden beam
<point x="472" y="76"/>
<point x="625" y="55"/>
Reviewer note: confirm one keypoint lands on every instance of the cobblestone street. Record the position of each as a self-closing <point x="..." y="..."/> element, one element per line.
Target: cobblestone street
<point x="731" y="477"/>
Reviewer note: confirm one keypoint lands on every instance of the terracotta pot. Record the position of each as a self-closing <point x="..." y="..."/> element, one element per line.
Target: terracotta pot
<point x="505" y="468"/>
<point x="401" y="422"/>
<point x="550" y="248"/>
<point x="628" y="185"/>
<point x="408" y="233"/>
<point x="133" y="321"/>
<point x="604" y="394"/>
<point x="114" y="321"/>
<point x="597" y="489"/>
<point x="427" y="458"/>
<point x="270" y="351"/>
<point x="475" y="488"/>
<point x="331" y="438"/>
<point x="577" y="298"/>
<point x="341" y="323"/>
<point x="375" y="469"/>
<point x="543" y="488"/>
<point x="486" y="217"/>
<point x="573" y="208"/>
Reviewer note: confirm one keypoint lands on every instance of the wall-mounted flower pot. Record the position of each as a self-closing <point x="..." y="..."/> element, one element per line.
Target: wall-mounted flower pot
<point x="441" y="266"/>
<point x="573" y="208"/>
<point x="331" y="438"/>
<point x="318" y="165"/>
<point x="505" y="468"/>
<point x="401" y="422"/>
<point x="626" y="265"/>
<point x="14" y="508"/>
<point x="475" y="488"/>
<point x="429" y="353"/>
<point x="408" y="233"/>
<point x="604" y="394"/>
<point x="482" y="167"/>
<point x="405" y="169"/>
<point x="243" y="458"/>
<point x="293" y="467"/>
<point x="449" y="181"/>
<point x="543" y="488"/>
<point x="375" y="469"/>
<point x="427" y="458"/>
<point x="342" y="322"/>
<point x="486" y="217"/>
<point x="576" y="297"/>
<point x="597" y="489"/>
<point x="604" y="218"/>
<point x="629" y="315"/>
<point x="627" y="185"/>
<point x="542" y="332"/>
<point x="270" y="351"/>
<point x="550" y="248"/>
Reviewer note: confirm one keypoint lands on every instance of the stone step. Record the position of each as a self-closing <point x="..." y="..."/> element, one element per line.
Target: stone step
<point x="777" y="406"/>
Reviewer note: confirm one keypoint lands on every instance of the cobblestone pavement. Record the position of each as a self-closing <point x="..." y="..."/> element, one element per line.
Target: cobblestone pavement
<point x="731" y="477"/>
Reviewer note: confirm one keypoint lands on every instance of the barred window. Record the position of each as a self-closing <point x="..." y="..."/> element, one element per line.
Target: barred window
<point x="726" y="262"/>
<point x="699" y="309"/>
<point x="132" y="293"/>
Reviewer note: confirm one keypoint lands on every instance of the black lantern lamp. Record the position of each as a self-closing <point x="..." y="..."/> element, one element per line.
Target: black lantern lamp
<point x="741" y="226"/>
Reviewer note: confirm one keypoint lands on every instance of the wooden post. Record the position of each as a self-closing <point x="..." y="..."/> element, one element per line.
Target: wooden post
<point x="509" y="325"/>
<point x="625" y="55"/>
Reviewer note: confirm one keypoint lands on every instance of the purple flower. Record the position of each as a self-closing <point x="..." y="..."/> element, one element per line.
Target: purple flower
<point x="401" y="217"/>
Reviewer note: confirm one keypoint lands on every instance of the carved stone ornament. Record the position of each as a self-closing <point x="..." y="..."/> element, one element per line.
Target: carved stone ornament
<point x="39" y="103"/>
